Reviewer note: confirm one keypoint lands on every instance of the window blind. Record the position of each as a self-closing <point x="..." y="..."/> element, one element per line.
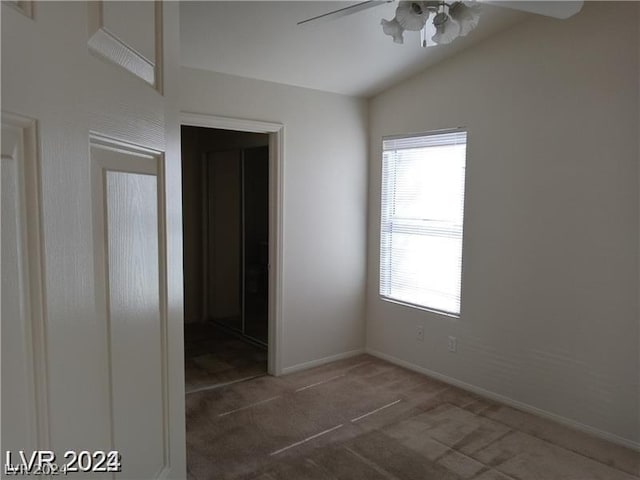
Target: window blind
<point x="422" y="219"/>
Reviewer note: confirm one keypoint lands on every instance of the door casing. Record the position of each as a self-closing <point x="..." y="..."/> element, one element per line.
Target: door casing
<point x="276" y="191"/>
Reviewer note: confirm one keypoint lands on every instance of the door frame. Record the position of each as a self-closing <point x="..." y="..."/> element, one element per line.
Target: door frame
<point x="276" y="191"/>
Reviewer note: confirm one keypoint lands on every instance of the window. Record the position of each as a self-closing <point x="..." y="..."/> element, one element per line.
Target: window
<point x="421" y="224"/>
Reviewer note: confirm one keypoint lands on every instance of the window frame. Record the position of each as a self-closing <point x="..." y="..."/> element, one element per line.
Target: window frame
<point x="381" y="232"/>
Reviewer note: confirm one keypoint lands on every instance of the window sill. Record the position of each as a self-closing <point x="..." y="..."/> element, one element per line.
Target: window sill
<point x="419" y="307"/>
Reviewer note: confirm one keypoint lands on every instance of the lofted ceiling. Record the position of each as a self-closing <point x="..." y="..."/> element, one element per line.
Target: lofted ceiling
<point x="349" y="55"/>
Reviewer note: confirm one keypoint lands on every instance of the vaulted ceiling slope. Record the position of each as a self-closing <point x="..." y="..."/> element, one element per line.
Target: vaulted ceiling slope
<point x="348" y="55"/>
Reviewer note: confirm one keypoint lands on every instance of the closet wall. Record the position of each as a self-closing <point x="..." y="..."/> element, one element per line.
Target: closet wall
<point x="225" y="201"/>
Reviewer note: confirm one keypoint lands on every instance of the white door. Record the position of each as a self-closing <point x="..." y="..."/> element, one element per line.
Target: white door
<point x="91" y="326"/>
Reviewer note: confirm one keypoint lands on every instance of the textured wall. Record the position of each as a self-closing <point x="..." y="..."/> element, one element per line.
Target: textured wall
<point x="550" y="281"/>
<point x="325" y="182"/>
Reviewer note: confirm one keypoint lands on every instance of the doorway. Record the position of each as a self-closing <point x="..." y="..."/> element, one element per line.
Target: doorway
<point x="275" y="132"/>
<point x="225" y="177"/>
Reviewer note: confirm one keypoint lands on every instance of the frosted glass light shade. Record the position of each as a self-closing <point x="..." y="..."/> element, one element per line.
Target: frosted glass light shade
<point x="412" y="15"/>
<point x="467" y="17"/>
<point x="454" y="20"/>
<point x="446" y="29"/>
<point x="393" y="29"/>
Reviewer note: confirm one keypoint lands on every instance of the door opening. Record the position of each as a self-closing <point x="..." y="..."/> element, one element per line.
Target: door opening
<point x="225" y="176"/>
<point x="275" y="132"/>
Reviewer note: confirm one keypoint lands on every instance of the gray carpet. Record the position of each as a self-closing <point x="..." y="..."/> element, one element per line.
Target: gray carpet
<point x="364" y="418"/>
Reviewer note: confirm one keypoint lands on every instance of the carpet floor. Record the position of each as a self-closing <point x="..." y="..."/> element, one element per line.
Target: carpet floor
<point x="364" y="418"/>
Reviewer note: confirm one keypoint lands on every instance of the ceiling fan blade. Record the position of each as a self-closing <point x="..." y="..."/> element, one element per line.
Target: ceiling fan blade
<point x="553" y="9"/>
<point x="358" y="7"/>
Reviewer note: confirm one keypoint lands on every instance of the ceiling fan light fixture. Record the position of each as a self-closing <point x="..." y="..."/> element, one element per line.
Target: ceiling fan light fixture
<point x="412" y="15"/>
<point x="393" y="29"/>
<point x="466" y="16"/>
<point x="452" y="20"/>
<point x="446" y="29"/>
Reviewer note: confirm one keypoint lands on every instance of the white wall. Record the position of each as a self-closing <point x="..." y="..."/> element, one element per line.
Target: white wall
<point x="550" y="282"/>
<point x="325" y="182"/>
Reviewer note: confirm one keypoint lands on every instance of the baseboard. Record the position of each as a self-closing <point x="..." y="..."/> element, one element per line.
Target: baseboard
<point x="508" y="401"/>
<point x="322" y="361"/>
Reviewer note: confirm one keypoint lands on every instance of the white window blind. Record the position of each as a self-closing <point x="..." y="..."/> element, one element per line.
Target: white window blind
<point x="422" y="217"/>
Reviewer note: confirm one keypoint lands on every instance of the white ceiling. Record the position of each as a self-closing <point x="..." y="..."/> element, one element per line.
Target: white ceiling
<point x="348" y="55"/>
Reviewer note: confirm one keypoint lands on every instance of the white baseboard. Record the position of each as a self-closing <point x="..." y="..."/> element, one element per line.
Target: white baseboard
<point x="322" y="361"/>
<point x="509" y="401"/>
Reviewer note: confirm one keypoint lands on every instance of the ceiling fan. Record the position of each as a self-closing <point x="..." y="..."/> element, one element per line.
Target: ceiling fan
<point x="450" y="20"/>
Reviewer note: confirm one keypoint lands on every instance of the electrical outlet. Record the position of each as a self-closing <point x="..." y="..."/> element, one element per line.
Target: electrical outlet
<point x="420" y="333"/>
<point x="453" y="344"/>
